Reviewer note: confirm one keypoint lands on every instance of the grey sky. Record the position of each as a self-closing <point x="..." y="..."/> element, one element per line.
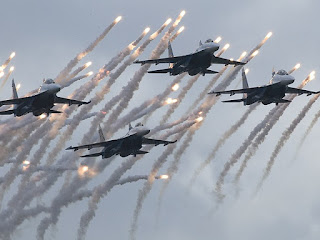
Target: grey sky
<point x="46" y="35"/>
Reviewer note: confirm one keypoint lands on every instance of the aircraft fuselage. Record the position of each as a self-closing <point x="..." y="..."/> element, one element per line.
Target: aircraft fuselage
<point x="128" y="146"/>
<point x="197" y="62"/>
<point x="43" y="103"/>
<point x="271" y="94"/>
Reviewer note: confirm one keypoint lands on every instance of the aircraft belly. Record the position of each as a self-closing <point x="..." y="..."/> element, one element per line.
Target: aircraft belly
<point x="130" y="146"/>
<point x="275" y="92"/>
<point x="202" y="60"/>
<point x="43" y="102"/>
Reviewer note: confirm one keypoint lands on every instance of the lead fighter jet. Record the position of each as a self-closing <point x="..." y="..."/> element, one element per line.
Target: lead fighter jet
<point x="40" y="103"/>
<point x="271" y="93"/>
<point x="193" y="63"/>
<point x="130" y="144"/>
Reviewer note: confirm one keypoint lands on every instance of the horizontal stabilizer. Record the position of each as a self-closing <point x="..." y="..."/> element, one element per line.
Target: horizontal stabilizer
<point x="235" y="100"/>
<point x="166" y="70"/>
<point x="93" y="155"/>
<point x="8" y="112"/>
<point x="208" y="71"/>
<point x="141" y="152"/>
<point x="283" y="101"/>
<point x="54" y="111"/>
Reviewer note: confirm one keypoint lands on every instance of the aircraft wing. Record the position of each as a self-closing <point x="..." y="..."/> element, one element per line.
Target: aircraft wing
<point x="225" y="61"/>
<point x="299" y="91"/>
<point x="156" y="141"/>
<point x="232" y="92"/>
<point x="96" y="145"/>
<point x="165" y="60"/>
<point x="69" y="101"/>
<point x="20" y="100"/>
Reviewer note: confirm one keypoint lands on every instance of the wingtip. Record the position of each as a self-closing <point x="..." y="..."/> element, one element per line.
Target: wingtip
<point x="69" y="148"/>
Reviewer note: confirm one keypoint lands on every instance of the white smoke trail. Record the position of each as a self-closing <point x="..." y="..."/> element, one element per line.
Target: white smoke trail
<point x="306" y="134"/>
<point x="127" y="92"/>
<point x="204" y="108"/>
<point x="284" y="138"/>
<point x="8" y="226"/>
<point x="180" y="97"/>
<point x="220" y="142"/>
<point x="133" y="85"/>
<point x="266" y="129"/>
<point x="99" y="96"/>
<point x="72" y="80"/>
<point x="145" y="109"/>
<point x="75" y="73"/>
<point x="63" y="74"/>
<point x="6" y="77"/>
<point x="63" y="199"/>
<point x="110" y="66"/>
<point x="6" y="63"/>
<point x="148" y="185"/>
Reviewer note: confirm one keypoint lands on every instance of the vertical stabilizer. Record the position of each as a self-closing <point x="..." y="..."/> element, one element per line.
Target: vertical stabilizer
<point x="244" y="83"/>
<point x="200" y="43"/>
<point x="130" y="126"/>
<point x="170" y="52"/>
<point x="102" y="138"/>
<point x="14" y="93"/>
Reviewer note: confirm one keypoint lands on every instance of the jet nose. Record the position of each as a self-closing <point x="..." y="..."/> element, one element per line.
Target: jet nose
<point x="291" y="79"/>
<point x="57" y="87"/>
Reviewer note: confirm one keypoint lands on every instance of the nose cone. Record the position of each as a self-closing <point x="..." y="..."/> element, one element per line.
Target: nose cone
<point x="56" y="88"/>
<point x="214" y="47"/>
<point x="290" y="79"/>
<point x="143" y="131"/>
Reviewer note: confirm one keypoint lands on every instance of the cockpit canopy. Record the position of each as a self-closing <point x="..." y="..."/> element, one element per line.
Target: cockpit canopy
<point x="48" y="81"/>
<point x="282" y="72"/>
<point x="209" y="40"/>
<point x="139" y="125"/>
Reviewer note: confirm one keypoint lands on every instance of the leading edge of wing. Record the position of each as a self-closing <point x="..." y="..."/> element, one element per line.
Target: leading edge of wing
<point x="163" y="60"/>
<point x="225" y="61"/>
<point x="235" y="91"/>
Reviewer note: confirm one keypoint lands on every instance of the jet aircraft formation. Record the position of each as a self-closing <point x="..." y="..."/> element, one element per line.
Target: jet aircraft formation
<point x="194" y="63"/>
<point x="132" y="143"/>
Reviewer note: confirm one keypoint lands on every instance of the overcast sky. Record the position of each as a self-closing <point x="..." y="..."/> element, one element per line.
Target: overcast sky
<point x="46" y="35"/>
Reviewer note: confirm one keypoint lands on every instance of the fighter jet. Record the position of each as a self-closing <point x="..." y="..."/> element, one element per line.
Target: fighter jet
<point x="130" y="144"/>
<point x="40" y="103"/>
<point x="194" y="63"/>
<point x="274" y="92"/>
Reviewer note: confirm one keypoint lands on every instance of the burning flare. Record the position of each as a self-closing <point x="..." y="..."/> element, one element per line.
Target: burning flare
<point x="171" y="100"/>
<point x="180" y="30"/>
<point x="42" y="116"/>
<point x="268" y="35"/>
<point x="89" y="73"/>
<point x="168" y="22"/>
<point x="82" y="170"/>
<point x="88" y="64"/>
<point x="255" y="53"/>
<point x="175" y="87"/>
<point x="199" y="119"/>
<point x="18" y="86"/>
<point x="226" y="46"/>
<point x="146" y="30"/>
<point x="183" y="12"/>
<point x="118" y="19"/>
<point x="163" y="176"/>
<point x="12" y="55"/>
<point x="218" y="39"/>
<point x="298" y="65"/>
<point x="11" y="69"/>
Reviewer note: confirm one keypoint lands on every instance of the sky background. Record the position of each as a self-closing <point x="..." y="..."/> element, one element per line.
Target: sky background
<point x="47" y="35"/>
